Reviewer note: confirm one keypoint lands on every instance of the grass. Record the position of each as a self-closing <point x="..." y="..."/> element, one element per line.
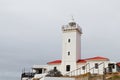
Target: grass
<point x="114" y="78"/>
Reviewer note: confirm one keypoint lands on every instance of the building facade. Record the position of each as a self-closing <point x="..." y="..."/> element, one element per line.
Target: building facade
<point x="71" y="63"/>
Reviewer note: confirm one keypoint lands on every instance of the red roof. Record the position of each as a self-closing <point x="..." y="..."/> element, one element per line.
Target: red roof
<point x="80" y="60"/>
<point x="97" y="58"/>
<point x="118" y="64"/>
<point x="55" y="62"/>
<point x="59" y="61"/>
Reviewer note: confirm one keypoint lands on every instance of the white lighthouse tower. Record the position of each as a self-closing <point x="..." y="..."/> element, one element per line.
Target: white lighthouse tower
<point x="71" y="63"/>
<point x="71" y="46"/>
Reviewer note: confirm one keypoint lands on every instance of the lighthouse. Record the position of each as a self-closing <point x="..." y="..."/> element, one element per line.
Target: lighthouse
<point x="71" y="63"/>
<point x="71" y="46"/>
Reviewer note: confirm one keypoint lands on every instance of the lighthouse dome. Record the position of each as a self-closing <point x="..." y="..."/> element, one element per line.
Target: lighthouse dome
<point x="72" y="22"/>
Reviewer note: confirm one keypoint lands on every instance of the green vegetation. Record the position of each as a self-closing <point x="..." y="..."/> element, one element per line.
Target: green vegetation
<point x="116" y="77"/>
<point x="54" y="73"/>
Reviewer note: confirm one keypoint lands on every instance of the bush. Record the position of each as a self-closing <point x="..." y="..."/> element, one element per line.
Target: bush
<point x="54" y="73"/>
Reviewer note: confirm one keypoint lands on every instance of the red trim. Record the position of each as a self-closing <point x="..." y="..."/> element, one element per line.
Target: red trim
<point x="118" y="64"/>
<point x="97" y="58"/>
<point x="59" y="61"/>
<point x="81" y="61"/>
<point x="55" y="62"/>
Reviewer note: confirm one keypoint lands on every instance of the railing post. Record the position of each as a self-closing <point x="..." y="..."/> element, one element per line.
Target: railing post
<point x="89" y="67"/>
<point x="93" y="70"/>
<point x="80" y="70"/>
<point x="98" y="70"/>
<point x="86" y="68"/>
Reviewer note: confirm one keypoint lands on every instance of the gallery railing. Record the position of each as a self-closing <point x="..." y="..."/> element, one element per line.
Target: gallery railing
<point x="86" y="69"/>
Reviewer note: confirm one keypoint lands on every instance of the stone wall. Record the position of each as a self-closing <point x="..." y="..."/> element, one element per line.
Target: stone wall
<point x="58" y="78"/>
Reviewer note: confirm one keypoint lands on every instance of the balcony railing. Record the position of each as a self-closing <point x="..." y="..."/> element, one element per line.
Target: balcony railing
<point x="74" y="27"/>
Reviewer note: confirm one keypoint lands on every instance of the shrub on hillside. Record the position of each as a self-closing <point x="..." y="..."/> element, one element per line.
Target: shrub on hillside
<point x="54" y="73"/>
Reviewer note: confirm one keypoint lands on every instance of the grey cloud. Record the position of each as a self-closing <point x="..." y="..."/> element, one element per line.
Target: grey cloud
<point x="30" y="31"/>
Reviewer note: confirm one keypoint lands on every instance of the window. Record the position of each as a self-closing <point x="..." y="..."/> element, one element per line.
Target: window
<point x="96" y="65"/>
<point x="67" y="67"/>
<point x="39" y="71"/>
<point x="68" y="53"/>
<point x="83" y="68"/>
<point x="55" y="68"/>
<point x="68" y="40"/>
<point x="112" y="65"/>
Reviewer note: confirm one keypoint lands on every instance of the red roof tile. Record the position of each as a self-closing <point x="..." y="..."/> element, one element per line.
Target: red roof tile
<point x="97" y="58"/>
<point x="118" y="64"/>
<point x="59" y="61"/>
<point x="81" y="61"/>
<point x="55" y="62"/>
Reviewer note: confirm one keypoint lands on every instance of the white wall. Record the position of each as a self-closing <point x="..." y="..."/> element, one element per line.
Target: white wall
<point x="69" y="46"/>
<point x="100" y="68"/>
<point x="74" y="47"/>
<point x="91" y="64"/>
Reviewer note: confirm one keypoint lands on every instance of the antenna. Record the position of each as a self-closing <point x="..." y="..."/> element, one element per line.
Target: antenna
<point x="72" y="17"/>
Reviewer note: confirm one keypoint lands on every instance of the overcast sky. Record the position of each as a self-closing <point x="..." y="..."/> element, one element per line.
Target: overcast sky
<point x="30" y="31"/>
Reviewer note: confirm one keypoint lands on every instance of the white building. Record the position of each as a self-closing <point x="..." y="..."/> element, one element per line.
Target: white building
<point x="71" y="63"/>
